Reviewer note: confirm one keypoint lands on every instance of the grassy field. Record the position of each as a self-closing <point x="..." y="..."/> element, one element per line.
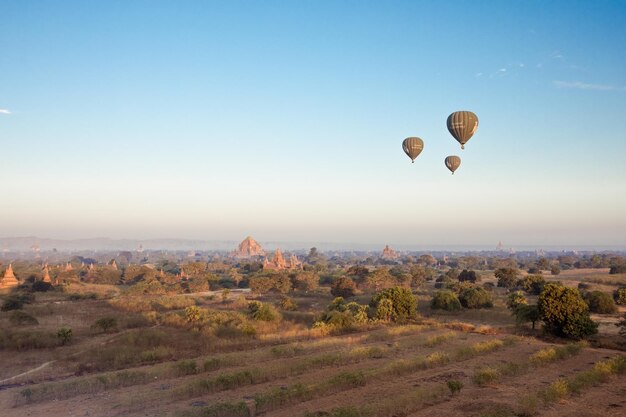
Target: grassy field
<point x="155" y="362"/>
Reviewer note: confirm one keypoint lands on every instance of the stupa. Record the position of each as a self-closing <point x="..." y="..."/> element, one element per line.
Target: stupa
<point x="248" y="248"/>
<point x="9" y="280"/>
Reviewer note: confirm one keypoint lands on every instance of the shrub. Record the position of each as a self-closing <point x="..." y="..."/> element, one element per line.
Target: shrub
<point x="262" y="312"/>
<point x="515" y="299"/>
<point x="533" y="284"/>
<point x="12" y="303"/>
<point x="343" y="287"/>
<point x="20" y="318"/>
<point x="65" y="335"/>
<point x="507" y="277"/>
<point x="526" y="313"/>
<point x="193" y="314"/>
<point x="288" y="304"/>
<point x="455" y="386"/>
<point x="620" y="296"/>
<point x="618" y="269"/>
<point x="105" y="324"/>
<point x="403" y="303"/>
<point x="445" y="300"/>
<point x="186" y="367"/>
<point x="340" y="314"/>
<point x="469" y="276"/>
<point x="564" y="312"/>
<point x="600" y="302"/>
<point x="475" y="297"/>
<point x="40" y="286"/>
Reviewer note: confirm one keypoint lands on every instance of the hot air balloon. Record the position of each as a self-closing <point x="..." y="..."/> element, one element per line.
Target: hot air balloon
<point x="412" y="147"/>
<point x="462" y="125"/>
<point x="453" y="162"/>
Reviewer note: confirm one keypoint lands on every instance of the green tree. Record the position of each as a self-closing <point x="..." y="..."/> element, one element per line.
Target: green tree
<point x="305" y="281"/>
<point x="468" y="276"/>
<point x="564" y="312"/>
<point x="445" y="300"/>
<point x="378" y="279"/>
<point x="515" y="299"/>
<point x="507" y="277"/>
<point x="533" y="284"/>
<point x="526" y="313"/>
<point x="65" y="335"/>
<point x="600" y="302"/>
<point x="475" y="297"/>
<point x="343" y="287"/>
<point x="404" y="304"/>
<point x="193" y="314"/>
<point x="619" y="295"/>
<point x="263" y="312"/>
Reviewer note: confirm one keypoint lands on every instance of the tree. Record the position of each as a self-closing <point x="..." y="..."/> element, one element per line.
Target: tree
<point x="445" y="300"/>
<point x="617" y="269"/>
<point x="543" y="264"/>
<point x="475" y="297"/>
<point x="65" y="335"/>
<point x="564" y="312"/>
<point x="507" y="277"/>
<point x="403" y="303"/>
<point x="378" y="279"/>
<point x="263" y="312"/>
<point x="619" y="295"/>
<point x="260" y="284"/>
<point x="305" y="280"/>
<point x="427" y="260"/>
<point x="515" y="299"/>
<point x="600" y="302"/>
<point x="468" y="276"/>
<point x="105" y="324"/>
<point x="193" y="314"/>
<point x="526" y="313"/>
<point x="533" y="284"/>
<point x="555" y="269"/>
<point x="343" y="287"/>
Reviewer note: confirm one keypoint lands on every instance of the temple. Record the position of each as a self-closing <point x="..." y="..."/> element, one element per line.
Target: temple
<point x="278" y="263"/>
<point x="9" y="280"/>
<point x="389" y="254"/>
<point x="248" y="248"/>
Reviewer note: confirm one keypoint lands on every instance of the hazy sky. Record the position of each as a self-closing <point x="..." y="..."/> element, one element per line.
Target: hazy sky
<point x="284" y="120"/>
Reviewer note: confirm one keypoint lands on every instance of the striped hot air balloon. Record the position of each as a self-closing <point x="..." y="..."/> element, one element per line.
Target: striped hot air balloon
<point x="413" y="147"/>
<point x="462" y="125"/>
<point x="453" y="162"/>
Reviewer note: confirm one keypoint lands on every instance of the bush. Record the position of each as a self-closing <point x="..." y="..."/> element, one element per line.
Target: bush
<point x="515" y="299"/>
<point x="564" y="312"/>
<point x="469" y="276"/>
<point x="403" y="303"/>
<point x="600" y="302"/>
<point x="262" y="312"/>
<point x="526" y="313"/>
<point x="445" y="300"/>
<point x="340" y="314"/>
<point x="618" y="269"/>
<point x="288" y="304"/>
<point x="105" y="324"/>
<point x="507" y="277"/>
<point x="455" y="386"/>
<point x="16" y="302"/>
<point x="343" y="287"/>
<point x="533" y="284"/>
<point x="620" y="296"/>
<point x="40" y="286"/>
<point x="475" y="297"/>
<point x="65" y="335"/>
<point x="22" y="319"/>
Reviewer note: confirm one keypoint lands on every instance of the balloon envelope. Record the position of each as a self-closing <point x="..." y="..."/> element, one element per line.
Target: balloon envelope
<point x="413" y="147"/>
<point x="453" y="162"/>
<point x="462" y="125"/>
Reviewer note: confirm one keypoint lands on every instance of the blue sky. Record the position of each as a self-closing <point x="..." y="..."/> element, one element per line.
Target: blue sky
<point x="284" y="120"/>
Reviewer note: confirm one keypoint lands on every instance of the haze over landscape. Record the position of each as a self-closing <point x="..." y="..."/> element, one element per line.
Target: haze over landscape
<point x="312" y="208"/>
<point x="212" y="121"/>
